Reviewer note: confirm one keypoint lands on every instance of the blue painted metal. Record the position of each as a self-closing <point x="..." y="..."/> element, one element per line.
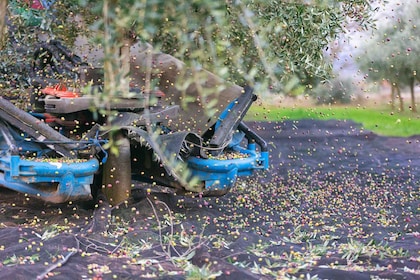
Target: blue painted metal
<point x="220" y="174"/>
<point x="224" y="114"/>
<point x="52" y="181"/>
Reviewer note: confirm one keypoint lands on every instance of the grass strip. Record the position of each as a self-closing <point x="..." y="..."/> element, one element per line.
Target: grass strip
<point x="379" y="120"/>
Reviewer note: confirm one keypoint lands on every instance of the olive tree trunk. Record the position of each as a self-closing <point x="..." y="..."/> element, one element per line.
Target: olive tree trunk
<point x="116" y="179"/>
<point x="3" y="10"/>
<point x="413" y="97"/>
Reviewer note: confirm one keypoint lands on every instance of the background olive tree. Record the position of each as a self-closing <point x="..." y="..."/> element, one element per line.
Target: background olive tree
<point x="392" y="53"/>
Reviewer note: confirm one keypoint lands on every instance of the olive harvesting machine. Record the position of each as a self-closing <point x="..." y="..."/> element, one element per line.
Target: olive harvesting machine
<point x="65" y="148"/>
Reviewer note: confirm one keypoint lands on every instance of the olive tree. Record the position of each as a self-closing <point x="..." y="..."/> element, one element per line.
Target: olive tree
<point x="242" y="42"/>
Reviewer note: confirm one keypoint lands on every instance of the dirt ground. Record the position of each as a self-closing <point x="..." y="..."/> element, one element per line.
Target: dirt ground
<point x="338" y="202"/>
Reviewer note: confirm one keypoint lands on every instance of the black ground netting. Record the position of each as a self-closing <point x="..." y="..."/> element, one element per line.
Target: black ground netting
<point x="337" y="203"/>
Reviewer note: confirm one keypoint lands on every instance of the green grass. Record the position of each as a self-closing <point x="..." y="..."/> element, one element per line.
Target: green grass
<point x="379" y="120"/>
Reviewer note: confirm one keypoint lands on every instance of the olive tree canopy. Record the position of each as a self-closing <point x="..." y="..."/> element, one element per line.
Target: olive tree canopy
<point x="245" y="42"/>
<point x="241" y="41"/>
